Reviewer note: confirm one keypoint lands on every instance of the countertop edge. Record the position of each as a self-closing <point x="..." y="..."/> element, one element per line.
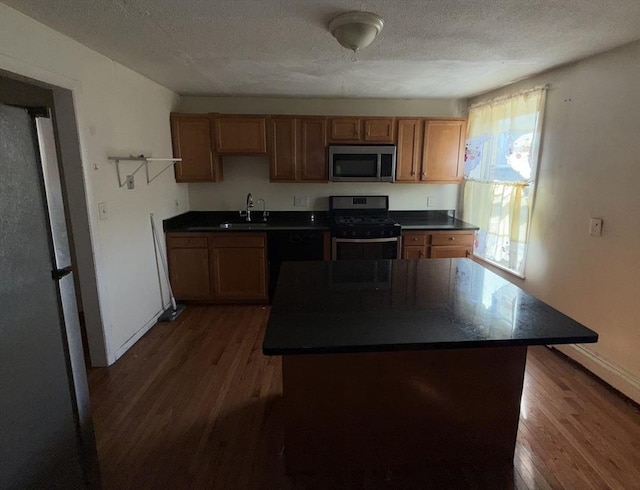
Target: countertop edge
<point x="471" y="344"/>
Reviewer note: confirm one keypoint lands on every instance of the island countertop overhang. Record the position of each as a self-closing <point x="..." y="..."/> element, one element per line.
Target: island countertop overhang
<point x="407" y="305"/>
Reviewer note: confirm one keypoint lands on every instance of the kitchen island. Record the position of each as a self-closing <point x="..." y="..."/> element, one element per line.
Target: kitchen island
<point x="403" y="364"/>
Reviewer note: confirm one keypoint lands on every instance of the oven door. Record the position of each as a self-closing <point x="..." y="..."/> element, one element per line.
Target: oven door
<point x="365" y="248"/>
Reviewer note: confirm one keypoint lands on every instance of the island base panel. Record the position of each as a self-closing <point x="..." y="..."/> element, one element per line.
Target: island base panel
<point x="395" y="410"/>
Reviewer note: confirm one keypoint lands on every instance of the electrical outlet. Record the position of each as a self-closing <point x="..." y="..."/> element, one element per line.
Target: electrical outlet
<point x="103" y="214"/>
<point x="595" y="227"/>
<point x="430" y="201"/>
<point x="130" y="183"/>
<point x="301" y="200"/>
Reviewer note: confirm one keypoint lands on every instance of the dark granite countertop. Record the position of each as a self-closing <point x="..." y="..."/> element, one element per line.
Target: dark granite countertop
<point x="430" y="220"/>
<point x="199" y="221"/>
<point x="369" y="306"/>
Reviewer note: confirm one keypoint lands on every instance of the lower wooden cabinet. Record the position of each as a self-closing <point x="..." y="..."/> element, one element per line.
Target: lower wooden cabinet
<point x="218" y="267"/>
<point x="189" y="267"/>
<point x="239" y="267"/>
<point x="422" y="244"/>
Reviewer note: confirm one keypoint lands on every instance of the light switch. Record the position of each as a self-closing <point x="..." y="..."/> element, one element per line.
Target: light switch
<point x="103" y="214"/>
<point x="595" y="227"/>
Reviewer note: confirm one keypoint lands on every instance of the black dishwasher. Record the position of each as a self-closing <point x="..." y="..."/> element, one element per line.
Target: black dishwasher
<point x="291" y="245"/>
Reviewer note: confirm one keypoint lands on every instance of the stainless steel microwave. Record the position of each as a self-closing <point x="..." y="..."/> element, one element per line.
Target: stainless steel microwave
<point x="362" y="163"/>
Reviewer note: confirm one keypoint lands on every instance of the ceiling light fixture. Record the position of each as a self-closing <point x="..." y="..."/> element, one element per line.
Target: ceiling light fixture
<point x="356" y="30"/>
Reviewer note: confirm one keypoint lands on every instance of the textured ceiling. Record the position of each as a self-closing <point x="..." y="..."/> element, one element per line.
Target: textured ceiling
<point x="428" y="48"/>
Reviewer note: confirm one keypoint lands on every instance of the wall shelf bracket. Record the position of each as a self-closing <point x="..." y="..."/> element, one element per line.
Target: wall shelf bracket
<point x="144" y="162"/>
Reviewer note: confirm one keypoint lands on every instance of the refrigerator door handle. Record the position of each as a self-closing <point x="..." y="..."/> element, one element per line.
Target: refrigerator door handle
<point x="58" y="274"/>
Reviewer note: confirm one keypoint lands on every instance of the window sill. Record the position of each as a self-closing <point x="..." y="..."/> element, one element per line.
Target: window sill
<point x="498" y="266"/>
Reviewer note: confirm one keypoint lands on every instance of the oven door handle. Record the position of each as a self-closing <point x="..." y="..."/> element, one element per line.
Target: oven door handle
<point x="366" y="240"/>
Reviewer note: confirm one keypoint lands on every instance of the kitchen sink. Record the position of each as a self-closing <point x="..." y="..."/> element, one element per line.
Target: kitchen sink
<point x="229" y="226"/>
<point x="242" y="226"/>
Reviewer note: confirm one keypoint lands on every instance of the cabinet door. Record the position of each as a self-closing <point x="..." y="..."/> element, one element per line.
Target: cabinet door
<point x="313" y="163"/>
<point x="345" y="129"/>
<point x="241" y="135"/>
<point x="239" y="274"/>
<point x="379" y="130"/>
<point x="413" y="252"/>
<point x="283" y="149"/>
<point x="191" y="138"/>
<point x="189" y="270"/>
<point x="443" y="151"/>
<point x="409" y="157"/>
<point x="414" y="244"/>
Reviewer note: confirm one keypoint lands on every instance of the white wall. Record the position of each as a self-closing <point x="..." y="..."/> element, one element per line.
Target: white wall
<point x="251" y="174"/>
<point x="590" y="167"/>
<point x="117" y="112"/>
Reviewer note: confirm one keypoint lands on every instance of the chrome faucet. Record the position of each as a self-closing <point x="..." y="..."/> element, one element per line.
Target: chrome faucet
<point x="249" y="206"/>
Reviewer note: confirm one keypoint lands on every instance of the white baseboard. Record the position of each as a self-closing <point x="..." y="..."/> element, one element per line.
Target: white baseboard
<point x="620" y="379"/>
<point x="136" y="336"/>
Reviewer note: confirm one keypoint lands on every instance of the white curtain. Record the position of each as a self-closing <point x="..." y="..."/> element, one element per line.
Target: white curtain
<point x="501" y="156"/>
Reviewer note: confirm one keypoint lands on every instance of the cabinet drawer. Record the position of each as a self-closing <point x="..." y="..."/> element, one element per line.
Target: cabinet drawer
<point x="461" y="239"/>
<point x="418" y="238"/>
<point x="449" y="252"/>
<point x="186" y="241"/>
<point x="238" y="240"/>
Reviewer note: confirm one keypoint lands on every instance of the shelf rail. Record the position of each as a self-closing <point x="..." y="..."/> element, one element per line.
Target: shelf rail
<point x="145" y="161"/>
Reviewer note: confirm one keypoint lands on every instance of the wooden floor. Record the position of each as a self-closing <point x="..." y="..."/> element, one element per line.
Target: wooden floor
<point x="194" y="404"/>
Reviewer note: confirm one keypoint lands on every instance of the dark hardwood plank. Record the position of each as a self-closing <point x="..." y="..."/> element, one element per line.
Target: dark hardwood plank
<point x="195" y="404"/>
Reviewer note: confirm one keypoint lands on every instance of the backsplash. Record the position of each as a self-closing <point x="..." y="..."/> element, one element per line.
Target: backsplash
<point x="251" y="174"/>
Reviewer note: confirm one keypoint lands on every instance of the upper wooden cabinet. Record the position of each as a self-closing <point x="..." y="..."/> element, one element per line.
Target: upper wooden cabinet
<point x="361" y="130"/>
<point x="241" y="135"/>
<point x="430" y="150"/>
<point x="284" y="159"/>
<point x="409" y="156"/>
<point x="345" y="129"/>
<point x="298" y="149"/>
<point x="443" y="151"/>
<point x="191" y="136"/>
<point x="380" y="130"/>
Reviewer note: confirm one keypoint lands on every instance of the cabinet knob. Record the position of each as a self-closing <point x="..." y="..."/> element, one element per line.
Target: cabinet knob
<point x="424" y="174"/>
<point x="414" y="239"/>
<point x="452" y="238"/>
<point x="413" y="173"/>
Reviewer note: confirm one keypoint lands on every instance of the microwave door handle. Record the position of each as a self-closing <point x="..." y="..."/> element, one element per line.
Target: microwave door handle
<point x="379" y="174"/>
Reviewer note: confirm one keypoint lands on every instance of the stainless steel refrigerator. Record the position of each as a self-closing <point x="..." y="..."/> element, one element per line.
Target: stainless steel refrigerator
<point x="46" y="435"/>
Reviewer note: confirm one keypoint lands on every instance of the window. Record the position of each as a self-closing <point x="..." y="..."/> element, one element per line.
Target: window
<point x="501" y="159"/>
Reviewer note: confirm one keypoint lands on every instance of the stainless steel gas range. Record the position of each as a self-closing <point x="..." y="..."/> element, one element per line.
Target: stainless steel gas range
<point x="361" y="228"/>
